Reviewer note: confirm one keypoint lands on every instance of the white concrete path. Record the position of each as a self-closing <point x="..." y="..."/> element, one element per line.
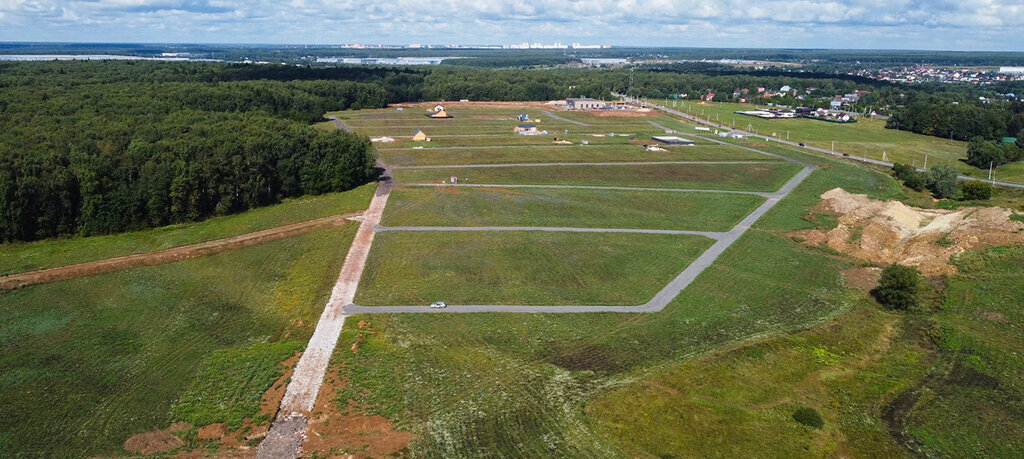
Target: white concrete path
<point x="289" y="429"/>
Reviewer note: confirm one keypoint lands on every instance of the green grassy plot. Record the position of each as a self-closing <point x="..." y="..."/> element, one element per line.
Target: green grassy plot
<point x="743" y="177"/>
<point x="577" y="153"/>
<point x="522" y="267"/>
<point x="462" y="206"/>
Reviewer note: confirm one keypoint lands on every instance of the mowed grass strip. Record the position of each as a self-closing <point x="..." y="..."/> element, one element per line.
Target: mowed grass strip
<point x="588" y="153"/>
<point x="29" y="256"/>
<point x="523" y="267"/>
<point x="463" y="206"/>
<point x="743" y="177"/>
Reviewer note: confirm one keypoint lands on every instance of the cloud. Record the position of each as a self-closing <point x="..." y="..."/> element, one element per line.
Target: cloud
<point x="959" y="24"/>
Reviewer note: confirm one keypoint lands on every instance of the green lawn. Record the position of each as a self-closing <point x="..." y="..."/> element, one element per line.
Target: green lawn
<point x="91" y="361"/>
<point x="746" y="177"/>
<point x="579" y="153"/>
<point x="451" y="206"/>
<point x="522" y="267"/>
<point x="21" y="257"/>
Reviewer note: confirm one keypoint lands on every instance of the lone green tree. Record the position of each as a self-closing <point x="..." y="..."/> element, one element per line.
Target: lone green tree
<point x="897" y="288"/>
<point x="942" y="181"/>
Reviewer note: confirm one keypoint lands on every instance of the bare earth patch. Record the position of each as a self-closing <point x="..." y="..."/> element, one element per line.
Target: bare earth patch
<point x="862" y="279"/>
<point x="157" y="441"/>
<point x="994" y="316"/>
<point x="353" y="432"/>
<point x="892" y="232"/>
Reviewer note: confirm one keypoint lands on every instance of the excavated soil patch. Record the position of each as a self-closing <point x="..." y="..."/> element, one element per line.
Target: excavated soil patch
<point x="157" y="441"/>
<point x="862" y="279"/>
<point x="332" y="432"/>
<point x="892" y="232"/>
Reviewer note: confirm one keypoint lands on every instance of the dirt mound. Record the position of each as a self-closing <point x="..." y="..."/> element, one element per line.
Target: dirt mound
<point x="157" y="441"/>
<point x="890" y="232"/>
<point x="212" y="431"/>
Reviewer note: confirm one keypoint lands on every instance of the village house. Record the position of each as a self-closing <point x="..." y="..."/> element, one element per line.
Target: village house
<point x="420" y="136"/>
<point x="526" y="129"/>
<point x="439" y="112"/>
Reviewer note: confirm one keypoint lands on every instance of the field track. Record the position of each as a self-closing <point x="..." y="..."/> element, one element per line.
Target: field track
<point x="170" y="255"/>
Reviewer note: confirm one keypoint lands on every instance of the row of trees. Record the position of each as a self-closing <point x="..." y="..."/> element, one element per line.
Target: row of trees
<point x="960" y="121"/>
<point x="984" y="153"/>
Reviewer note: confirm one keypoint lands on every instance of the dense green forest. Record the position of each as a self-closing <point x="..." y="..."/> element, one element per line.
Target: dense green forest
<point x="95" y="148"/>
<point x="960" y="121"/>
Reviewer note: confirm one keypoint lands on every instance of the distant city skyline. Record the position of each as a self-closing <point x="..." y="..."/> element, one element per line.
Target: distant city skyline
<point x="964" y="25"/>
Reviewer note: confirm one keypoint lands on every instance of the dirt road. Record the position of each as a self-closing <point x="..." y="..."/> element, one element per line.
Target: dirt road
<point x="184" y="252"/>
<point x="289" y="429"/>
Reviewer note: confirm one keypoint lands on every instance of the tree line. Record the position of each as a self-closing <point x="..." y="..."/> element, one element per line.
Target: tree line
<point x="960" y="121"/>
<point x="102" y="155"/>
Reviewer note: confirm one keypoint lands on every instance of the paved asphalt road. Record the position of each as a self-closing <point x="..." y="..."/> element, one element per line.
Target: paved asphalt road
<point x="609" y="163"/>
<point x="485" y="148"/>
<point x="555" y="229"/>
<point x="567" y="120"/>
<point x="589" y="187"/>
<point x="338" y="123"/>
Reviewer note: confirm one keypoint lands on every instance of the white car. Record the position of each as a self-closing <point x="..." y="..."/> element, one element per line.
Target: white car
<point x="438" y="305"/>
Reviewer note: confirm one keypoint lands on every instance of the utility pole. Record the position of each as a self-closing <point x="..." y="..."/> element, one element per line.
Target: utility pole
<point x="833" y="146"/>
<point x="926" y="160"/>
<point x="990" y="171"/>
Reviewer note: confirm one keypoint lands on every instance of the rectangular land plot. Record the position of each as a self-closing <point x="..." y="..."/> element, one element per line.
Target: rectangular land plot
<point x="467" y="206"/>
<point x="565" y="154"/>
<point x="522" y="267"/>
<point x="744" y="177"/>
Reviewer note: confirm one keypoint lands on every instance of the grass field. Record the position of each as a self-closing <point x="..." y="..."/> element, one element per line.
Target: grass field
<point x="972" y="405"/>
<point x="451" y="206"/>
<point x="868" y="372"/>
<point x="21" y="257"/>
<point x="516" y="384"/>
<point x="732" y="403"/>
<point x="579" y="153"/>
<point x="508" y="384"/>
<point x="523" y="267"/>
<point x="743" y="177"/>
<point x="867" y="137"/>
<point x="89" y="362"/>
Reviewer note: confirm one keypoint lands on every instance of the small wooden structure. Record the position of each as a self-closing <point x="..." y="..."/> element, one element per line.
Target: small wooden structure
<point x="420" y="136"/>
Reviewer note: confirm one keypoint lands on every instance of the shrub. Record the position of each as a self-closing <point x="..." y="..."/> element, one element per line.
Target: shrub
<point x="897" y="288"/>
<point x="909" y="176"/>
<point x="975" y="191"/>
<point x="809" y="417"/>
<point x="941" y="181"/>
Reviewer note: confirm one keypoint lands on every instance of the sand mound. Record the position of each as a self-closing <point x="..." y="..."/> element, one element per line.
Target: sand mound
<point x="889" y="232"/>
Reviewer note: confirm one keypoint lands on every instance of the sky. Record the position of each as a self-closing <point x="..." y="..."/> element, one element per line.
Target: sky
<point x="962" y="25"/>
